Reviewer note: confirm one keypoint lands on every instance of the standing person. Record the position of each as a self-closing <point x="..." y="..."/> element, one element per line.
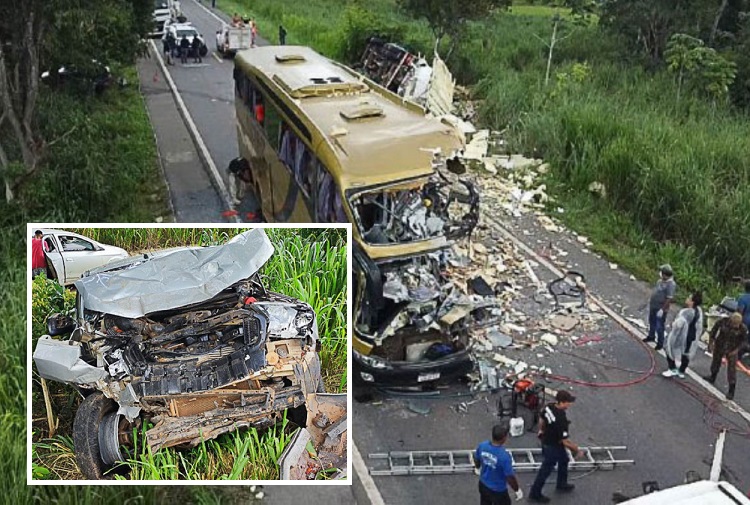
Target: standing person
<point x="681" y="343"/>
<point x="236" y="20"/>
<point x="196" y="46"/>
<point x="253" y="33"/>
<point x="495" y="469"/>
<point x="213" y="4"/>
<point x="240" y="178"/>
<point x="728" y="336"/>
<point x="658" y="306"/>
<point x="169" y="47"/>
<point x="743" y="305"/>
<point x="38" y="259"/>
<point x="553" y="431"/>
<point x="184" y="49"/>
<point x="282" y="35"/>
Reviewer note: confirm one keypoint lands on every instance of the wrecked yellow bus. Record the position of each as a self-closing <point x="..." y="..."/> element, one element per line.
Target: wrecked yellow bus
<point x="325" y="144"/>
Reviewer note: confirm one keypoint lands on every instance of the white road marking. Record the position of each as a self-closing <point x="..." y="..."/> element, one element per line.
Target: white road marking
<point x="718" y="456"/>
<point x="373" y="494"/>
<point x="730" y="405"/>
<point x="209" y="11"/>
<point x="217" y="57"/>
<point x="213" y="172"/>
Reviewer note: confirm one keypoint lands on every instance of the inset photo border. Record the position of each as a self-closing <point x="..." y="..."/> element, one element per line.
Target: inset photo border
<point x="178" y="354"/>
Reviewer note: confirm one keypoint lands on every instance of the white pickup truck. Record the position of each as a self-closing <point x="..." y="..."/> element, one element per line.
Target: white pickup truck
<point x="230" y="39"/>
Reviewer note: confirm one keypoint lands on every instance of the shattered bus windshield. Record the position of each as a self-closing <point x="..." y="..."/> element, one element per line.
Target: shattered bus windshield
<point x="418" y="210"/>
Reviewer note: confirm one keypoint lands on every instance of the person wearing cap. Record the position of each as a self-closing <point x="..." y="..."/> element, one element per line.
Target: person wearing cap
<point x="658" y="306"/>
<point x="553" y="432"/>
<point x="727" y="338"/>
<point x="495" y="469"/>
<point x="682" y="340"/>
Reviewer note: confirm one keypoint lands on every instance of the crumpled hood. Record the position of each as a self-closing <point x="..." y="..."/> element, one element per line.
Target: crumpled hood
<point x="180" y="278"/>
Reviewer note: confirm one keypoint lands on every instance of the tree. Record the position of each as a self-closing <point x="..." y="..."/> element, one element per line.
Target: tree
<point x="683" y="56"/>
<point x="45" y="34"/>
<point x="22" y="29"/>
<point x="709" y="71"/>
<point x="450" y="17"/>
<point x="649" y="24"/>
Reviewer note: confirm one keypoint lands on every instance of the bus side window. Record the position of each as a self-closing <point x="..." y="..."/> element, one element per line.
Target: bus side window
<point x="329" y="208"/>
<point x="239" y="77"/>
<point x="247" y="97"/>
<point x="259" y="110"/>
<point x="272" y="123"/>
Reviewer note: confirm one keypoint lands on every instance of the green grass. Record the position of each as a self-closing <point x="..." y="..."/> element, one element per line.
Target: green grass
<point x="105" y="169"/>
<point x="308" y="264"/>
<point x="68" y="187"/>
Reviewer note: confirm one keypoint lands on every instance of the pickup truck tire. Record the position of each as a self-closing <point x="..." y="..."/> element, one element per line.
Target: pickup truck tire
<point x="86" y="435"/>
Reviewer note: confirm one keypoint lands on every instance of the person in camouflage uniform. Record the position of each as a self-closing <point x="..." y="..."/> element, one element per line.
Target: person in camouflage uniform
<point x="727" y="338"/>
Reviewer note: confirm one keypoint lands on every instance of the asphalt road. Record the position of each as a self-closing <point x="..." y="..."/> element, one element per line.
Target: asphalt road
<point x="207" y="89"/>
<point x="667" y="431"/>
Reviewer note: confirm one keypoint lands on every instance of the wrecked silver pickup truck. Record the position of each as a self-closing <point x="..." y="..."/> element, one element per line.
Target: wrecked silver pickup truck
<point x="188" y="340"/>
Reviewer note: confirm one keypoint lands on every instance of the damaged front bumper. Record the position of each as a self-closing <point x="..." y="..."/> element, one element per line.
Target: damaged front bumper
<point x="377" y="372"/>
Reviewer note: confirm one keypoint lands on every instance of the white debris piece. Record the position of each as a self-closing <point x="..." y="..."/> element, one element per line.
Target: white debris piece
<point x="477" y="148"/>
<point x="549" y="338"/>
<point x="613" y="266"/>
<point x="639" y="323"/>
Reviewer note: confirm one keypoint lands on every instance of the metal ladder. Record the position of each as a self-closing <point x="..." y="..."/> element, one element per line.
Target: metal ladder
<point x="452" y="462"/>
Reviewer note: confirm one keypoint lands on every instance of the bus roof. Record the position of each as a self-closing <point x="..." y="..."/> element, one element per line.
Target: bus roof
<point x="377" y="137"/>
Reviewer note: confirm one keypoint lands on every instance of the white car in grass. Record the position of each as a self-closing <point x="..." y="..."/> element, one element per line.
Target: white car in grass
<point x="70" y="255"/>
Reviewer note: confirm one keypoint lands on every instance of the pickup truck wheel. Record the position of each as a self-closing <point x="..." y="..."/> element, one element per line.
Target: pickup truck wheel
<point x="95" y="436"/>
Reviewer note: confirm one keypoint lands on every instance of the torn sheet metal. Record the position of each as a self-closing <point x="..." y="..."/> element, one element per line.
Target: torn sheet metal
<point x="61" y="361"/>
<point x="440" y="93"/>
<point x="181" y="278"/>
<point x="321" y="445"/>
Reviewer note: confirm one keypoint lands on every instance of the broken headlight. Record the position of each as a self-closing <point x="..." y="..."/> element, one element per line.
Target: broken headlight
<point x="372" y="361"/>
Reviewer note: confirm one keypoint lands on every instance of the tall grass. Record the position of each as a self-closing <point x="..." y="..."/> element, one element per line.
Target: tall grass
<point x="308" y="264"/>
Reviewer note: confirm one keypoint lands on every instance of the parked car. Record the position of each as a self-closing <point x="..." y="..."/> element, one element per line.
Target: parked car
<point x="70" y="255"/>
<point x="95" y="77"/>
<point x="190" y="341"/>
<point x="178" y="30"/>
<point x="164" y="12"/>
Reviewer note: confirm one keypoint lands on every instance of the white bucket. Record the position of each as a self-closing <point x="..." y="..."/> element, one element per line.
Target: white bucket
<point x="516" y="426"/>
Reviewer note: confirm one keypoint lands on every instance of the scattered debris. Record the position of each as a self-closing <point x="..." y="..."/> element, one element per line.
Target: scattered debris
<point x="564" y="322"/>
<point x="550" y="338"/>
<point x="598" y="189"/>
<point x="418" y="407"/>
<point x="588" y="339"/>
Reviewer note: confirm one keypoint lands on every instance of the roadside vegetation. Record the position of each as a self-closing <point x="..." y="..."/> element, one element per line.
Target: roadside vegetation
<point x="67" y="154"/>
<point x="308" y="264"/>
<point x="661" y="123"/>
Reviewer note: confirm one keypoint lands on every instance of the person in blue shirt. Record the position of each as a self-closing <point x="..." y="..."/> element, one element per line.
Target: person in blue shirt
<point x="743" y="305"/>
<point x="495" y="469"/>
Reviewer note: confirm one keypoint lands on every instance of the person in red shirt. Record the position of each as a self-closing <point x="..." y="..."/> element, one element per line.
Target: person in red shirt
<point x="38" y="259"/>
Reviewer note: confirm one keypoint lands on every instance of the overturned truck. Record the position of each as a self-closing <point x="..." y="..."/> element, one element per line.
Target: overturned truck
<point x="188" y="340"/>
